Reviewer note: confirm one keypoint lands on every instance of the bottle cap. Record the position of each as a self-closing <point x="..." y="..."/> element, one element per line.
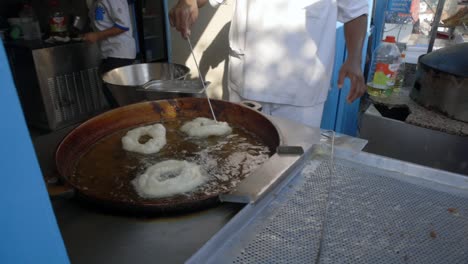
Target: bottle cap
<point x="390" y="39"/>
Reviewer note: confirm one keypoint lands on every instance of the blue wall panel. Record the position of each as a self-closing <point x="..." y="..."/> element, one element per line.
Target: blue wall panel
<point x="379" y="22"/>
<point x="330" y="110"/>
<point x="338" y="115"/>
<point x="28" y="229"/>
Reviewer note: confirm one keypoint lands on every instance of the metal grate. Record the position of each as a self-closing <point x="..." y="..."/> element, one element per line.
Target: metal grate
<point x="76" y="96"/>
<point x="374" y="216"/>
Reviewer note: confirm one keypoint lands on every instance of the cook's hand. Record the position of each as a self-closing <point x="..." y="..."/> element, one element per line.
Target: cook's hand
<point x="183" y="15"/>
<point x="91" y="37"/>
<point x="352" y="70"/>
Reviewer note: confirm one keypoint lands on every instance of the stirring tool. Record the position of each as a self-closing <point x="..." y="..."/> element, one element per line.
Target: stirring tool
<point x="327" y="198"/>
<point x="201" y="78"/>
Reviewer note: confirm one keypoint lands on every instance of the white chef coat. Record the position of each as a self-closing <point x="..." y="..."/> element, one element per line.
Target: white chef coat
<point x="282" y="51"/>
<point x="105" y="14"/>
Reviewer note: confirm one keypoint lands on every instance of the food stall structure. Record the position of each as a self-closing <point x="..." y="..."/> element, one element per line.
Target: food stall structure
<point x="319" y="198"/>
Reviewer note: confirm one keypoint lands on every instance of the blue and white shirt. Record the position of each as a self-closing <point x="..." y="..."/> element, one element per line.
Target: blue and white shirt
<point x="105" y="14"/>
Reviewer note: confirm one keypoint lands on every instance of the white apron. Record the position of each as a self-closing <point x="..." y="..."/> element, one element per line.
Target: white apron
<point x="282" y="51"/>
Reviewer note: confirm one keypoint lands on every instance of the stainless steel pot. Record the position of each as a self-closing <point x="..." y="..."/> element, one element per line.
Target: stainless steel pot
<point x="442" y="81"/>
<point x="125" y="82"/>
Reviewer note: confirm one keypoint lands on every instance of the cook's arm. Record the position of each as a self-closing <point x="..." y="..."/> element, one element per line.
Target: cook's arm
<point x="184" y="14"/>
<point x="118" y="12"/>
<point x="101" y="35"/>
<point x="355" y="32"/>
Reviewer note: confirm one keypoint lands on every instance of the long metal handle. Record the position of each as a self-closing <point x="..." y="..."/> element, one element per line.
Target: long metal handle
<point x="173" y="86"/>
<point x="435" y="24"/>
<point x="201" y="78"/>
<point x="327" y="198"/>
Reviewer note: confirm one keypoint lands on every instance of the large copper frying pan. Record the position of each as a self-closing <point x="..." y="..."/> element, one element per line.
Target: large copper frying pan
<point x="80" y="140"/>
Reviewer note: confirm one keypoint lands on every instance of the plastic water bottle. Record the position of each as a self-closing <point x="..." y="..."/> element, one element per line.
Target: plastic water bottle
<point x="57" y="21"/>
<point x="384" y="68"/>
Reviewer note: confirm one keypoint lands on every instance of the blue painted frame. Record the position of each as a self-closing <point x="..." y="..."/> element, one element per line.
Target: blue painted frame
<point x="168" y="31"/>
<point x="338" y="115"/>
<point x="330" y="111"/>
<point x="379" y="22"/>
<point x="28" y="228"/>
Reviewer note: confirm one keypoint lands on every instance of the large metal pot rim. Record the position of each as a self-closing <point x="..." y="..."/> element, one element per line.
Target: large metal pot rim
<point x="106" y="77"/>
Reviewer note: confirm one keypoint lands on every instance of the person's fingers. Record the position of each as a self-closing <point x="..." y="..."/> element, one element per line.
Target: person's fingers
<point x="352" y="91"/>
<point x="180" y="18"/>
<point x="358" y="88"/>
<point x="183" y="16"/>
<point x="172" y="17"/>
<point x="187" y="24"/>
<point x="363" y="87"/>
<point x="186" y="33"/>
<point x="341" y="76"/>
<point x="193" y="17"/>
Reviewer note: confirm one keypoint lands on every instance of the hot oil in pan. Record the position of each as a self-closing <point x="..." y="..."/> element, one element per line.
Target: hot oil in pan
<point x="106" y="170"/>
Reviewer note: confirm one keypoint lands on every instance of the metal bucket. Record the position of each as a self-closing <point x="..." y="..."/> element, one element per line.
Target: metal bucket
<point x="123" y="82"/>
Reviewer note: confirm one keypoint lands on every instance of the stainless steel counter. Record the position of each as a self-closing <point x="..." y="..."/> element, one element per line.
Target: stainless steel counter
<point x="424" y="137"/>
<point x="92" y="236"/>
<point x="354" y="208"/>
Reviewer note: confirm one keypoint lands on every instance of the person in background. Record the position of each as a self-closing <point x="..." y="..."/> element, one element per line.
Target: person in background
<point x="110" y="20"/>
<point x="282" y="51"/>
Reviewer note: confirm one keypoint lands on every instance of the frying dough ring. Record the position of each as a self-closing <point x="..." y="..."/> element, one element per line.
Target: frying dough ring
<point x="168" y="178"/>
<point x="203" y="127"/>
<point x="130" y="141"/>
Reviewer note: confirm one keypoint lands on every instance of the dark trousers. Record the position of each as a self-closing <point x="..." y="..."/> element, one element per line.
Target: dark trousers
<point x="109" y="64"/>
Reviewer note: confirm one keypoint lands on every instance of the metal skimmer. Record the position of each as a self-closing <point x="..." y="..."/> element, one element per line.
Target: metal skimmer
<point x="329" y="190"/>
<point x="174" y="86"/>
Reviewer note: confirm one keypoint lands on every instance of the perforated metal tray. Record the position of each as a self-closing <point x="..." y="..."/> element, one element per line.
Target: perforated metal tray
<point x="380" y="210"/>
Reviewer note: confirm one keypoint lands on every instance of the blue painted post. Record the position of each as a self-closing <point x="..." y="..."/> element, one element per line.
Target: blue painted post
<point x="379" y="22"/>
<point x="348" y="114"/>
<point x="133" y="15"/>
<point x="330" y="110"/>
<point x="168" y="31"/>
<point x="338" y="114"/>
<point x="28" y="229"/>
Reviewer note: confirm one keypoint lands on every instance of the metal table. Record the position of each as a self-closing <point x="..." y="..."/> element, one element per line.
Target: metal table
<point x="92" y="236"/>
<point x="361" y="208"/>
